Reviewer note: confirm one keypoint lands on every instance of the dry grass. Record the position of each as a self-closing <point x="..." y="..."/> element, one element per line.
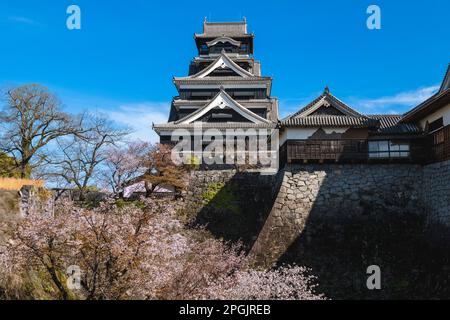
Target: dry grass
<point x="17" y="184"/>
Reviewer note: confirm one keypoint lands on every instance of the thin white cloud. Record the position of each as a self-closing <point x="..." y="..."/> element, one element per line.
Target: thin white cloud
<point x="402" y="99"/>
<point x="139" y="117"/>
<point x="289" y="106"/>
<point x="23" y="20"/>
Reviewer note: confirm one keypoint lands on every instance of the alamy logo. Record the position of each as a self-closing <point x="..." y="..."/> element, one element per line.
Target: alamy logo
<point x="73" y="22"/>
<point x="74" y="278"/>
<point x="374" y="20"/>
<point x="374" y="280"/>
<point x="254" y="147"/>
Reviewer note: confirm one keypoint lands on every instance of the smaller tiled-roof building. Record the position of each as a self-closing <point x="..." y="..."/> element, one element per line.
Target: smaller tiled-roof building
<point x="329" y="130"/>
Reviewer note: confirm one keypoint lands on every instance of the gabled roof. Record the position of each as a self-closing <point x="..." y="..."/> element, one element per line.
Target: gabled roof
<point x="222" y="61"/>
<point x="432" y="104"/>
<point x="326" y="99"/>
<point x="223" y="100"/>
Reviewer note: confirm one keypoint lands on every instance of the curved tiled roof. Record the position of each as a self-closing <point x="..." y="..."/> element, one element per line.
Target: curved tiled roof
<point x="391" y="124"/>
<point x="330" y="121"/>
<point x="219" y="126"/>
<point x="218" y="79"/>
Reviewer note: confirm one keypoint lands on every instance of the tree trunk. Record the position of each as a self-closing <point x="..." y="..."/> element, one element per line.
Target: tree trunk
<point x="23" y="170"/>
<point x="82" y="196"/>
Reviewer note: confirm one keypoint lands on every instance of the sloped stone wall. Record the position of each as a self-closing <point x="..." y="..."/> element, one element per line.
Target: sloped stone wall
<point x="312" y="193"/>
<point x="231" y="205"/>
<point x="35" y="200"/>
<point x="436" y="191"/>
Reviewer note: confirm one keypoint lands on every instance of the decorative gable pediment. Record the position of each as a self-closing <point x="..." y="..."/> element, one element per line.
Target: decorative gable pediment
<point x="223" y="62"/>
<point x="326" y="105"/>
<point x="223" y="101"/>
<point x="223" y="40"/>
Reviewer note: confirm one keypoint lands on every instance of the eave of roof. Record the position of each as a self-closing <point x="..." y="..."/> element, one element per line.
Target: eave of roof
<point x="330" y="121"/>
<point x="205" y="125"/>
<point x="438" y="100"/>
<point x="179" y="102"/>
<point x="390" y="124"/>
<point x="427" y="107"/>
<point x="223" y="81"/>
<point x="446" y="82"/>
<point x="254" y="79"/>
<point x="230" y="35"/>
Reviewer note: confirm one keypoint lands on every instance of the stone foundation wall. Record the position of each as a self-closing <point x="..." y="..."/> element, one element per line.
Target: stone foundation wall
<point x="312" y="193"/>
<point x="436" y="191"/>
<point x="196" y="196"/>
<point x="232" y="205"/>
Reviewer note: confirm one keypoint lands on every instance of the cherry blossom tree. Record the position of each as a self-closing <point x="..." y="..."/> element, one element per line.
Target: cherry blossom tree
<point x="135" y="253"/>
<point x="124" y="164"/>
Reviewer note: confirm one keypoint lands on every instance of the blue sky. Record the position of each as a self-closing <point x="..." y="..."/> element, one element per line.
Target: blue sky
<point x="123" y="59"/>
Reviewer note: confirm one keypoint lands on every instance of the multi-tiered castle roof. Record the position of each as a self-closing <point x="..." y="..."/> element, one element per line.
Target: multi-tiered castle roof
<point x="224" y="87"/>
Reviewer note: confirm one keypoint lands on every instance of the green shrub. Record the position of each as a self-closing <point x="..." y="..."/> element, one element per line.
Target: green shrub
<point x="220" y="196"/>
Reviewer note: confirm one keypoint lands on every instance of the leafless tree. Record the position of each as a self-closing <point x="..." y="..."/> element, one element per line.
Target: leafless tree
<point x="29" y="121"/>
<point x="80" y="156"/>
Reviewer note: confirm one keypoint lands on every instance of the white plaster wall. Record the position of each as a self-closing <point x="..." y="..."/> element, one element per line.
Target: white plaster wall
<point x="443" y="112"/>
<point x="305" y="133"/>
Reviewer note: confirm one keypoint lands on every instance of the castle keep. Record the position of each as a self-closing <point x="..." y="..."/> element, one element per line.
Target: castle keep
<point x="224" y="88"/>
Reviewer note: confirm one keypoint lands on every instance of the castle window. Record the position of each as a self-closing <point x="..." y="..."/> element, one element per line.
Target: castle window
<point x="385" y="149"/>
<point x="204" y="49"/>
<point x="436" y="125"/>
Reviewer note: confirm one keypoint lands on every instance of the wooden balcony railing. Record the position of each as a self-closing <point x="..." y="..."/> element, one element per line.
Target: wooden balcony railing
<point x="321" y="150"/>
<point x="347" y="150"/>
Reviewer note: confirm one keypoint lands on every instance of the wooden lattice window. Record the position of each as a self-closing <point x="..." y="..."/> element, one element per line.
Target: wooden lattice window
<point x="436" y="124"/>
